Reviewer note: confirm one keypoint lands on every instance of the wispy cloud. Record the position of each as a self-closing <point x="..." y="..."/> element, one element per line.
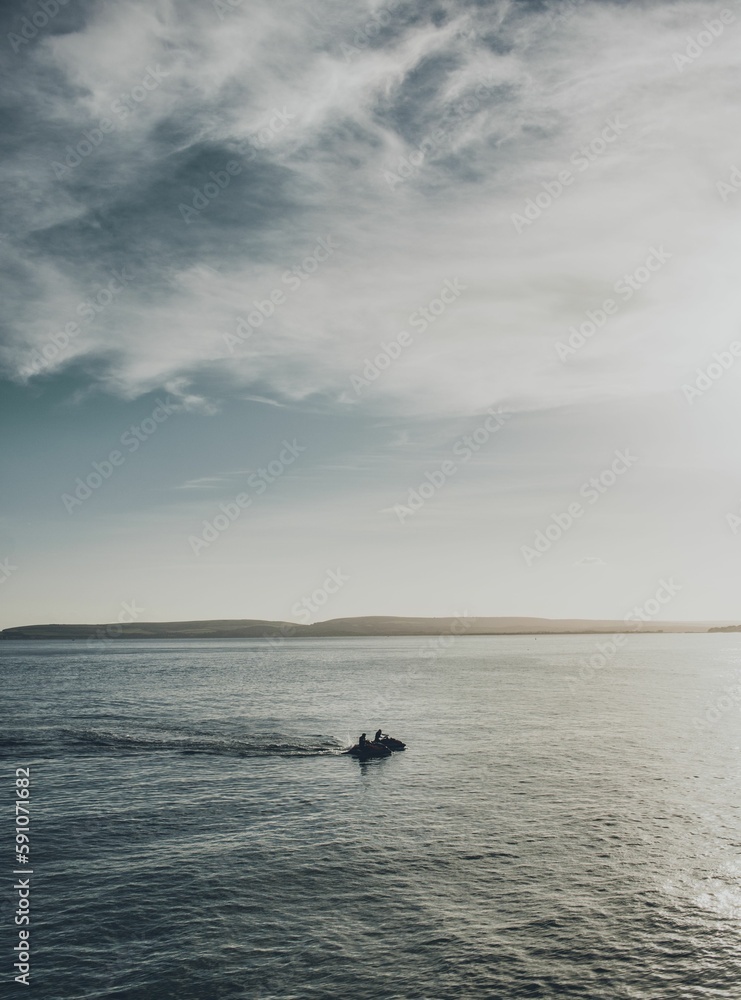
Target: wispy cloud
<point x="204" y="483"/>
<point x="477" y="109"/>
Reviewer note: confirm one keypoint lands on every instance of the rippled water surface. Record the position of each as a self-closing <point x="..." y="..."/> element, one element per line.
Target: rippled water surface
<point x="196" y="832"/>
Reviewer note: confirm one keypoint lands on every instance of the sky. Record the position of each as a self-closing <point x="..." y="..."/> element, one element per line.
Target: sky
<point x="421" y="308"/>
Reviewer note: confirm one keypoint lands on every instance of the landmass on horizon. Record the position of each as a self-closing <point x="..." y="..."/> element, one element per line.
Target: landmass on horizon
<point x="378" y="625"/>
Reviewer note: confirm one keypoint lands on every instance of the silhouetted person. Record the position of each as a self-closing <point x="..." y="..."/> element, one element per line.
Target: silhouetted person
<point x="361" y="741"/>
<point x="377" y="737"/>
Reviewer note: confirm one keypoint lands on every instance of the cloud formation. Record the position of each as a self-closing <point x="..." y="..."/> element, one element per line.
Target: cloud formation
<point x="196" y="155"/>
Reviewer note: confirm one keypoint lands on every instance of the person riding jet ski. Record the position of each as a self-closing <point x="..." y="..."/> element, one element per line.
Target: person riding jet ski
<point x="388" y="741"/>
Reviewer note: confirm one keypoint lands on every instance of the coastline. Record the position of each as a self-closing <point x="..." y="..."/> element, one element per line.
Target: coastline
<point x="366" y="627"/>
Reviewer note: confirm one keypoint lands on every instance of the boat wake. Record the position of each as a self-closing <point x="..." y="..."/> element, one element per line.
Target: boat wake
<point x="109" y="741"/>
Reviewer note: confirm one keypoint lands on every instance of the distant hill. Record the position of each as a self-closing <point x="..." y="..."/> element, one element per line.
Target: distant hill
<point x="369" y="626"/>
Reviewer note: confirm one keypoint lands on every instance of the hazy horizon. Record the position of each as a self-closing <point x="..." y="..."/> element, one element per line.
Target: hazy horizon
<point x="423" y="307"/>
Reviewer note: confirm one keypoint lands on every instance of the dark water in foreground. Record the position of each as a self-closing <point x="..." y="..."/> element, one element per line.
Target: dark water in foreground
<point x="195" y="833"/>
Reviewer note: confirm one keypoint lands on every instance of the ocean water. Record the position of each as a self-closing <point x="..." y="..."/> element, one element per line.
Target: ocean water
<point x="196" y="833"/>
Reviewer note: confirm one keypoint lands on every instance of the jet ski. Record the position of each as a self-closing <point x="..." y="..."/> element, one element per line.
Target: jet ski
<point x="368" y="750"/>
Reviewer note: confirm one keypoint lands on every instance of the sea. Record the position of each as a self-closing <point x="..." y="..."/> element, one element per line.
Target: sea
<point x="565" y="820"/>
